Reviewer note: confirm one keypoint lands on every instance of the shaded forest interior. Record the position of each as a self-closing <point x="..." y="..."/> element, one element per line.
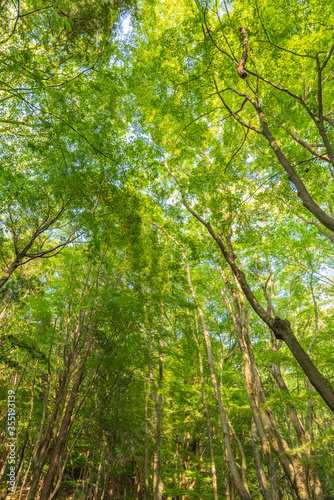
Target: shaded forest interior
<point x="167" y="250"/>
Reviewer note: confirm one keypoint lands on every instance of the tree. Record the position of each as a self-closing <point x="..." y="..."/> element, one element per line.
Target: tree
<point x="175" y="160"/>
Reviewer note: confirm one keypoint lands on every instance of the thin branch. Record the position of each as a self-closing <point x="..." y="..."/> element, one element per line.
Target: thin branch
<point x="273" y="44"/>
<point x="194" y="120"/>
<point x="313" y="223"/>
<point x="208" y="31"/>
<point x="46" y="253"/>
<point x="237" y="151"/>
<point x="71" y="79"/>
<point x="199" y="76"/>
<point x="327" y="58"/>
<point x="236" y="117"/>
<point x="83" y="137"/>
<point x="329" y="74"/>
<point x="305" y="144"/>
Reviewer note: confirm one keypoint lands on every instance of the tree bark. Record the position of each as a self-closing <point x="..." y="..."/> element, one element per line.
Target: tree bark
<point x="145" y="465"/>
<point x="157" y="414"/>
<point x="274" y="492"/>
<point x="244" y="495"/>
<point x="281" y="327"/>
<point x="261" y="476"/>
<point x="42" y="445"/>
<point x="111" y="448"/>
<point x="208" y="425"/>
<point x="64" y="428"/>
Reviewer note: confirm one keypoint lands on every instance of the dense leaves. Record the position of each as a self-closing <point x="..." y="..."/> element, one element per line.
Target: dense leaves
<point x="166" y="250"/>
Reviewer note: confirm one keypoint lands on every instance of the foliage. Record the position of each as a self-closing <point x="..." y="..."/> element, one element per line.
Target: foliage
<point x="136" y="148"/>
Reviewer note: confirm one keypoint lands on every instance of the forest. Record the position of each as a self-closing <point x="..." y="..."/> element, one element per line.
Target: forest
<point x="167" y="249"/>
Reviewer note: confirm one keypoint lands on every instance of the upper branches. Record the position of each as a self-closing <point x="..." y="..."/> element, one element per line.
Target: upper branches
<point x="26" y="254"/>
<point x="263" y="109"/>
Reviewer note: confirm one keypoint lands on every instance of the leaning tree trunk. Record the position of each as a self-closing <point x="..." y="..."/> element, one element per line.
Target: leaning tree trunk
<point x="42" y="446"/>
<point x="64" y="428"/>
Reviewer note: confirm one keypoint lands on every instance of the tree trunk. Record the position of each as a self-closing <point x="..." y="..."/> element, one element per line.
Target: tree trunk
<point x="281" y="327"/>
<point x="244" y="495"/>
<point x="261" y="477"/>
<point x="41" y="448"/>
<point x="290" y="462"/>
<point x="111" y="449"/>
<point x="274" y="492"/>
<point x="145" y="466"/>
<point x="212" y="459"/>
<point x="97" y="485"/>
<point x="64" y="428"/>
<point x="315" y="483"/>
<point x="157" y="414"/>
